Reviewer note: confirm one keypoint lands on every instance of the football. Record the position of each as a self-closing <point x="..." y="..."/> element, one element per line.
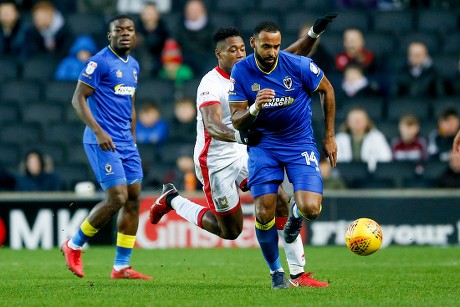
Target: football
<point x="363" y="236"/>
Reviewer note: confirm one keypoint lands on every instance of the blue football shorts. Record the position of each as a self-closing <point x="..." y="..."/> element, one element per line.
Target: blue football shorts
<point x="122" y="166"/>
<point x="266" y="168"/>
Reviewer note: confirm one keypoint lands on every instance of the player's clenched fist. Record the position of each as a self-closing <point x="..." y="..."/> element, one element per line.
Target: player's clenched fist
<point x="264" y="96"/>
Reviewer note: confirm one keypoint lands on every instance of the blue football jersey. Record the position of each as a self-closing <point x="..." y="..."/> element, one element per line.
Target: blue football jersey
<point x="287" y="118"/>
<point x="114" y="80"/>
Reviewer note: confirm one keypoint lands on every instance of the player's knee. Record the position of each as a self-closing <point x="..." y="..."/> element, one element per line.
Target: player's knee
<point x="311" y="210"/>
<point x="231" y="234"/>
<point x="118" y="198"/>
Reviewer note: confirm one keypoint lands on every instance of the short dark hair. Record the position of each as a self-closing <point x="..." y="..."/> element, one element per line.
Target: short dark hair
<point x="267" y="26"/>
<point x="223" y="33"/>
<point x="117" y="17"/>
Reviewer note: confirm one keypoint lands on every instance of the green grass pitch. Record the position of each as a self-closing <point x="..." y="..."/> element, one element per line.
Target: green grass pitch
<point x="394" y="276"/>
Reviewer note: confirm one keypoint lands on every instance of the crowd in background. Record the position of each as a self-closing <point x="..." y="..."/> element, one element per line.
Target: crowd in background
<point x="394" y="65"/>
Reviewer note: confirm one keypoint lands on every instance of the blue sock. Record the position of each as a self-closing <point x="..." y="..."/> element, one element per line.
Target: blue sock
<point x="267" y="235"/>
<point x="79" y="238"/>
<point x="122" y="256"/>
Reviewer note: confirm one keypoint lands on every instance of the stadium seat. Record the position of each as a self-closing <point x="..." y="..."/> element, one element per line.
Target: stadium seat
<point x="446" y="65"/>
<point x="432" y="171"/>
<point x="43" y="113"/>
<point x="66" y="133"/>
<point x="389" y="128"/>
<point x="432" y="41"/>
<point x="437" y="21"/>
<point x="190" y="87"/>
<point x="451" y="43"/>
<point x="160" y="91"/>
<point x="90" y="24"/>
<point x="219" y="19"/>
<point x="39" y="68"/>
<point x="60" y="91"/>
<point x="393" y="22"/>
<point x="441" y="104"/>
<point x="373" y="105"/>
<point x="235" y="6"/>
<point x="10" y="155"/>
<point x="417" y="106"/>
<point x="71" y="173"/>
<point x="22" y="133"/>
<point x="172" y="150"/>
<point x="297" y="19"/>
<point x="9" y="114"/>
<point x="21" y="91"/>
<point x="171" y="21"/>
<point x="76" y="153"/>
<point x="332" y="42"/>
<point x="9" y="69"/>
<point x="251" y="19"/>
<point x="380" y="44"/>
<point x="355" y="174"/>
<point x="281" y="6"/>
<point x="149" y="153"/>
<point x="318" y="6"/>
<point x="395" y="173"/>
<point x="350" y="19"/>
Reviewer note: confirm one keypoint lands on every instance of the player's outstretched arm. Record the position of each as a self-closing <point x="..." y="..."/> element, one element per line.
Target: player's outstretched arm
<point x="456" y="146"/>
<point x="328" y="103"/>
<point x="304" y="45"/>
<point x="81" y="94"/>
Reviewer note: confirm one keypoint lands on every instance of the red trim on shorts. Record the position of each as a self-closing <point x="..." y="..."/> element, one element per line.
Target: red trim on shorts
<point x="208" y="103"/>
<point x="243" y="183"/>
<point x="222" y="73"/>
<point x="229" y="211"/>
<point x="280" y="222"/>
<point x="200" y="216"/>
<point x="203" y="159"/>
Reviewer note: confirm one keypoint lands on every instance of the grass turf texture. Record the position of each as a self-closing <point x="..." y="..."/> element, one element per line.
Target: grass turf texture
<point x="394" y="276"/>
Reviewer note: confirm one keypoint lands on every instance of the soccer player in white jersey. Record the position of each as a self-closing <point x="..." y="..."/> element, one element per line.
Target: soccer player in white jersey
<point x="221" y="158"/>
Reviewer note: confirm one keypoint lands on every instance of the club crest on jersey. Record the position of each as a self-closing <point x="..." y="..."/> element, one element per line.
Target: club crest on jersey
<point x="287" y="81"/>
<point x="90" y="67"/>
<point x="119" y="74"/>
<point x="108" y="169"/>
<point x="135" y="75"/>
<point x="255" y="87"/>
<point x="314" y="69"/>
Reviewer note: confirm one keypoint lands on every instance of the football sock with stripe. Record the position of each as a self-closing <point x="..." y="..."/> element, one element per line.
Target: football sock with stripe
<point x="294" y="251"/>
<point x="125" y="244"/>
<point x="82" y="236"/>
<point x="268" y="241"/>
<point x="189" y="210"/>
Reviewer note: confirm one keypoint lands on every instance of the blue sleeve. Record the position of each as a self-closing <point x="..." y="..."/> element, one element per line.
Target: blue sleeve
<point x="237" y="93"/>
<point x="93" y="71"/>
<point x="311" y="74"/>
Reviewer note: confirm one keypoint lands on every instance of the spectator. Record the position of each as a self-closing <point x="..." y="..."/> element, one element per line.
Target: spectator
<point x="410" y="145"/>
<point x="418" y="78"/>
<point x="440" y="140"/>
<point x="319" y="54"/>
<point x="70" y="67"/>
<point x="49" y="35"/>
<point x="150" y="127"/>
<point x="173" y="68"/>
<point x="360" y="140"/>
<point x="356" y="85"/>
<point x="354" y="52"/>
<point x="12" y="30"/>
<point x="195" y="36"/>
<point x="183" y="125"/>
<point x="185" y="173"/>
<point x="37" y="174"/>
<point x="331" y="176"/>
<point x="151" y="36"/>
<point x="451" y="177"/>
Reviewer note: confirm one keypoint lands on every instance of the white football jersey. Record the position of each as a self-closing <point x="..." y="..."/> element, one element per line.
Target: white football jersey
<point x="209" y="152"/>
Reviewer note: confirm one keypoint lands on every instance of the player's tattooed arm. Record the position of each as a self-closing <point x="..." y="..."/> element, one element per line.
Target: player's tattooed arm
<point x="305" y="44"/>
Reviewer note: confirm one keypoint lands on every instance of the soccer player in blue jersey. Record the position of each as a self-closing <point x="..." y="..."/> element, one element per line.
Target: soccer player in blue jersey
<point x="104" y="100"/>
<point x="272" y="94"/>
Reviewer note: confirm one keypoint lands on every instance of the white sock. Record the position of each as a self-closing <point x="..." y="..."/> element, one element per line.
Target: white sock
<point x="279" y="270"/>
<point x="73" y="245"/>
<point x="186" y="208"/>
<point x="294" y="254"/>
<point x="120" y="267"/>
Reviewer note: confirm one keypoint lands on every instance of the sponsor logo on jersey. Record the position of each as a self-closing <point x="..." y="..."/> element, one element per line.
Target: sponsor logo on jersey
<point x="279" y="102"/>
<point x="90" y="67"/>
<point x="121" y="89"/>
<point x="314" y="69"/>
<point x="287" y="81"/>
<point x="255" y="87"/>
<point x="204" y="93"/>
<point x="119" y="74"/>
